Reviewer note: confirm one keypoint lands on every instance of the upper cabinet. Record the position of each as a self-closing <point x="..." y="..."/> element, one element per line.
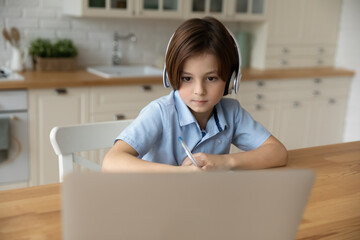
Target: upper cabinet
<point x="301" y="33"/>
<point x="99" y="8"/>
<point x="160" y="8"/>
<point x="247" y="10"/>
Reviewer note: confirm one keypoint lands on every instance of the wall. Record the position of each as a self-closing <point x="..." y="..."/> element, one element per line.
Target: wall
<point x="348" y="56"/>
<point x="92" y="36"/>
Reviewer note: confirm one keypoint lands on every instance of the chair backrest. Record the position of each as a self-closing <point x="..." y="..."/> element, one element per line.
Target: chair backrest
<point x="69" y="140"/>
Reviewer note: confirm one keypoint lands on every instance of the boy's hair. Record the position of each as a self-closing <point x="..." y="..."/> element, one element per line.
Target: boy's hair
<point x="196" y="36"/>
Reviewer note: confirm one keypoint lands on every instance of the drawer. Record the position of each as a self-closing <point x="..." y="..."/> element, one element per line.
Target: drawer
<point x="313" y="50"/>
<point x="298" y="62"/>
<point x="113" y="99"/>
<point x="13" y="100"/>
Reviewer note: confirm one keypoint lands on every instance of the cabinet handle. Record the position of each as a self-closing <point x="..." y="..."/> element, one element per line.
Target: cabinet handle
<point x="260" y="83"/>
<point x="119" y="116"/>
<point x="332" y="100"/>
<point x="259" y="96"/>
<point x="321" y="50"/>
<point x="147" y="88"/>
<point x="258" y="107"/>
<point x="320" y="62"/>
<point x="61" y="91"/>
<point x="316" y="93"/>
<point x="296" y="104"/>
<point x="285" y="50"/>
<point x="284" y="62"/>
<point x="317" y="80"/>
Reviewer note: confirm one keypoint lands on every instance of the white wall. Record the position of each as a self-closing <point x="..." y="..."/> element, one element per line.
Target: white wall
<point x="348" y="56"/>
<point x="92" y="36"/>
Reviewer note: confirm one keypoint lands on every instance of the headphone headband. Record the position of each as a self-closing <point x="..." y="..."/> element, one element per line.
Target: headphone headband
<point x="232" y="84"/>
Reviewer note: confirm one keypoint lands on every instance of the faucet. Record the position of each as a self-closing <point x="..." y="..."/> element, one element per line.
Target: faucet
<point x="117" y="55"/>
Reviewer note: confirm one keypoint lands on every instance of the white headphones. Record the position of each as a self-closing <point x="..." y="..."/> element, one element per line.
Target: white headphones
<point x="233" y="84"/>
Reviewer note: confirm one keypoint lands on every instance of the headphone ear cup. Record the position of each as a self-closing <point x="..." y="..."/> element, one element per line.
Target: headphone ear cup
<point x="166" y="78"/>
<point x="232" y="83"/>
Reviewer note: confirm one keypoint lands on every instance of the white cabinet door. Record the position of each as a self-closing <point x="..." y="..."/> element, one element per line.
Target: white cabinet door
<point x="264" y="113"/>
<point x="285" y="21"/>
<point x="202" y="8"/>
<point x="160" y="8"/>
<point x="99" y="8"/>
<point x="49" y="108"/>
<point x="328" y="118"/>
<point x="293" y="123"/>
<point x="321" y="21"/>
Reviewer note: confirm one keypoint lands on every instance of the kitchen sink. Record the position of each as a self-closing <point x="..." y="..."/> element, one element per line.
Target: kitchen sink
<point x="125" y="71"/>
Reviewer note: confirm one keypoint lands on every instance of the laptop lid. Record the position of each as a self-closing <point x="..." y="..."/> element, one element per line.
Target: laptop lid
<point x="262" y="204"/>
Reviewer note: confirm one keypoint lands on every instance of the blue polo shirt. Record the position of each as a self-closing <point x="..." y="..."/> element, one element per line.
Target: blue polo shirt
<point x="154" y="133"/>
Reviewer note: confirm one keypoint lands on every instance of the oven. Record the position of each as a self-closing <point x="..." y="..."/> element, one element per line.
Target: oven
<point x="14" y="164"/>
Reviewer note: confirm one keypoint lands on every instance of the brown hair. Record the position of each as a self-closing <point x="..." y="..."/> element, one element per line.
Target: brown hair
<point x="196" y="36"/>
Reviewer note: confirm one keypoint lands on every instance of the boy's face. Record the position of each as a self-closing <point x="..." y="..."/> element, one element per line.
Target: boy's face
<point x="201" y="87"/>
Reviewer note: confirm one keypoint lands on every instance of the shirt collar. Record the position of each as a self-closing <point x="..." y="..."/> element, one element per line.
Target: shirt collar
<point x="186" y="117"/>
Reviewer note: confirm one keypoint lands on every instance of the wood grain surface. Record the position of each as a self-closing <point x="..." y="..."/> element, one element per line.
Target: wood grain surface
<point x="333" y="211"/>
<point x="82" y="78"/>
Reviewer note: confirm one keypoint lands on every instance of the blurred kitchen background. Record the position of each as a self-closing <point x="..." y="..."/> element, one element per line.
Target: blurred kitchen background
<point x="273" y="34"/>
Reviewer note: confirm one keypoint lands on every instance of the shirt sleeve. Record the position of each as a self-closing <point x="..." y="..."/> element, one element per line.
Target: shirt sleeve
<point x="145" y="130"/>
<point x="248" y="133"/>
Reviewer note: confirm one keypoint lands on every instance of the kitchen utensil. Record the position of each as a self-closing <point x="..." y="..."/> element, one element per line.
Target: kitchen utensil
<point x="7" y="36"/>
<point x="17" y="59"/>
<point x="15" y="35"/>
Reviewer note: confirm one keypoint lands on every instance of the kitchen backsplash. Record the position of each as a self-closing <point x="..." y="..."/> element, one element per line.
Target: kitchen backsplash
<point x="92" y="36"/>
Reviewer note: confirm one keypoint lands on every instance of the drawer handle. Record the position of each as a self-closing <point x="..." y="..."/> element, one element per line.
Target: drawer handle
<point x="259" y="96"/>
<point x="320" y="62"/>
<point x="258" y="107"/>
<point x="119" y="117"/>
<point x="284" y="62"/>
<point x="61" y="91"/>
<point x="316" y="93"/>
<point x="260" y="83"/>
<point x="296" y="104"/>
<point x="332" y="101"/>
<point x="147" y="88"/>
<point x="285" y="50"/>
<point x="321" y="50"/>
<point x="317" y="80"/>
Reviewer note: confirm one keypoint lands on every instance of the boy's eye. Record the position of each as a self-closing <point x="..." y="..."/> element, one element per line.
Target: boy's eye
<point x="212" y="79"/>
<point x="186" y="79"/>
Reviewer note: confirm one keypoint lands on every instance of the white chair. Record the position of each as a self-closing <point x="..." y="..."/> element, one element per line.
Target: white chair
<point x="69" y="140"/>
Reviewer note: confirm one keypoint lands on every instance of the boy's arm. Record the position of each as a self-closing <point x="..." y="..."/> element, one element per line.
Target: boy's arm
<point x="271" y="153"/>
<point x="123" y="158"/>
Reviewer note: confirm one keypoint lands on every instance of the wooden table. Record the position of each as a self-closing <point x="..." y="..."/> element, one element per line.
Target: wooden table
<point x="333" y="211"/>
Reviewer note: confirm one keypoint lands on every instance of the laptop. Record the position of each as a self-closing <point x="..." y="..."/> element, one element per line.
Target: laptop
<point x="259" y="204"/>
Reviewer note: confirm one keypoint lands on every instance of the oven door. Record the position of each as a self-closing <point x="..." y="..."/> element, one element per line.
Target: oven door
<point x="15" y="168"/>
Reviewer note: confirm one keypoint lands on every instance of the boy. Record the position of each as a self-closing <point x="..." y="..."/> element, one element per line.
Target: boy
<point x="201" y="59"/>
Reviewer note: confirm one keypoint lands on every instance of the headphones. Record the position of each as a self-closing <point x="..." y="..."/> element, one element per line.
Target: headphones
<point x="232" y="85"/>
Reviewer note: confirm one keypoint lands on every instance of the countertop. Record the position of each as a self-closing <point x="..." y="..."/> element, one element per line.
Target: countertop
<point x="82" y="78"/>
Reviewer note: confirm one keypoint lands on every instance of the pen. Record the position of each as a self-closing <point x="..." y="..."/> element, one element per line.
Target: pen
<point x="188" y="153"/>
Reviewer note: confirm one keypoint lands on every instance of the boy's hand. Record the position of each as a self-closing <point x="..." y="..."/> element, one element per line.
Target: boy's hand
<point x="207" y="161"/>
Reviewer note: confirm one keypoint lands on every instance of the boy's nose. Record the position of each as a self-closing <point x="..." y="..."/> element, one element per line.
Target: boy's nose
<point x="199" y="88"/>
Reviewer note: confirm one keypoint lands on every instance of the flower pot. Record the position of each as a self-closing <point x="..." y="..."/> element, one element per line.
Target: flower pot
<point x="55" y="64"/>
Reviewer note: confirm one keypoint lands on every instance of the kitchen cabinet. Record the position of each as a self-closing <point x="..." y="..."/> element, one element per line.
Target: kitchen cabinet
<point x="99" y="8"/>
<point x="49" y="108"/>
<point x="299" y="112"/>
<point x="301" y="33"/>
<point x="160" y="8"/>
<point x="58" y="107"/>
<point x="247" y="10"/>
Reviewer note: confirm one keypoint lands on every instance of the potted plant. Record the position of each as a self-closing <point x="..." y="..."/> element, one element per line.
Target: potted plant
<point x="60" y="56"/>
